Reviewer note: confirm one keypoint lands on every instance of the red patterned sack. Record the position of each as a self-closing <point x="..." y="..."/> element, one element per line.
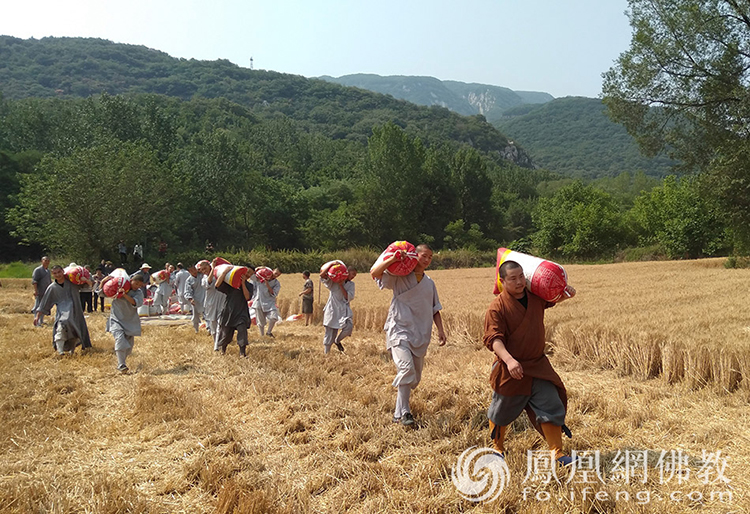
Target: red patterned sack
<point x="337" y="272"/>
<point x="120" y="278"/>
<point x="404" y="266"/>
<point x="546" y="279"/>
<point x="263" y="273"/>
<point x="76" y="274"/>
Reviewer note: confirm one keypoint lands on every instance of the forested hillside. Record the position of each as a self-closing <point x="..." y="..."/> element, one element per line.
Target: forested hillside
<point x="79" y="67"/>
<point x="574" y="136"/>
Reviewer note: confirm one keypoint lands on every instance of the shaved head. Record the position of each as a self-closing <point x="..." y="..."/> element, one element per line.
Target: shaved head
<point x="507" y="266"/>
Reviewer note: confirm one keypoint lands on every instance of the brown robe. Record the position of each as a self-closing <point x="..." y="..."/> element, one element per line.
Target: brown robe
<point x="522" y="332"/>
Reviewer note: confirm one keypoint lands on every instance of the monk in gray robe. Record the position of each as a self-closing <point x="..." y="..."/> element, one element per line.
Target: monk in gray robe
<point x="180" y="279"/>
<point x="70" y="328"/>
<point x="195" y="294"/>
<point x="337" y="314"/>
<point x="264" y="302"/>
<point x="214" y="301"/>
<point x="123" y="322"/>
<point x="40" y="281"/>
<point x="414" y="308"/>
<point x="163" y="292"/>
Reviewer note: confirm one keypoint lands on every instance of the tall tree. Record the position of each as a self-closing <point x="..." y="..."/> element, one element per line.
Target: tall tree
<point x="680" y="219"/>
<point x="83" y="204"/>
<point x="393" y="191"/>
<point x="579" y="222"/>
<point x="684" y="84"/>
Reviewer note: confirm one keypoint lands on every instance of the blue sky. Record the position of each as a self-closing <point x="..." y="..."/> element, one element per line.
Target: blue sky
<point x="560" y="47"/>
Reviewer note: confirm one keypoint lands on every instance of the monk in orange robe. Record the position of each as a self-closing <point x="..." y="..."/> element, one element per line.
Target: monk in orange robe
<point x="522" y="377"/>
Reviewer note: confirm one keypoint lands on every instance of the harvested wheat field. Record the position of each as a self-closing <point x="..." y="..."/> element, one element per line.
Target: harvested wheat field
<point x="654" y="356"/>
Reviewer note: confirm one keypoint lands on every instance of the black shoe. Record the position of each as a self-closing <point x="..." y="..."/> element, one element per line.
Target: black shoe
<point x="270" y="334"/>
<point x="407" y="419"/>
<point x="339" y="346"/>
<point x="396" y="420"/>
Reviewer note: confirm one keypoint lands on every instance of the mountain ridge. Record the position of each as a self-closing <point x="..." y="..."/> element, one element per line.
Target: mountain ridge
<point x="467" y="98"/>
<point x="82" y="67"/>
<point x="574" y="136"/>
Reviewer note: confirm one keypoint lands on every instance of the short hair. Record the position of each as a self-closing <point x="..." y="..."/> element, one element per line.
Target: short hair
<point x="507" y="266"/>
<point x="422" y="247"/>
<point x="306" y="274"/>
<point x="45" y="258"/>
<point x="179" y="265"/>
<point x="352" y="268"/>
<point x="56" y="266"/>
<point x="138" y="276"/>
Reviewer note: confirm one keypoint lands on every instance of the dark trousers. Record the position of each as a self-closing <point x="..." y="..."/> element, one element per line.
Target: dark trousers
<point x="227" y="333"/>
<point x="86" y="301"/>
<point x="97" y="300"/>
<point x="123" y="258"/>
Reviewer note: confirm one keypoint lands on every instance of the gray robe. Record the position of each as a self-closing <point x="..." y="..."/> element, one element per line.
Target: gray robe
<point x="69" y="313"/>
<point x="195" y="291"/>
<point x="180" y="279"/>
<point x="409" y="321"/>
<point x="262" y="299"/>
<point x="41" y="279"/>
<point x="215" y="299"/>
<point x="124" y="316"/>
<point x="337" y="310"/>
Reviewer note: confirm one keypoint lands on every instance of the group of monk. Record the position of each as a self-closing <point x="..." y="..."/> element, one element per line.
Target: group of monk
<point x="521" y="378"/>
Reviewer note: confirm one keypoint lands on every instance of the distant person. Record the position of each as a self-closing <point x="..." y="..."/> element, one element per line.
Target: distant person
<point x="195" y="294"/>
<point x="163" y="292"/>
<point x="522" y="376"/>
<point x="123" y="322"/>
<point x="209" y="247"/>
<point x="108" y="267"/>
<point x="97" y="293"/>
<point x="138" y="255"/>
<point x="70" y="326"/>
<point x="414" y="308"/>
<point x="214" y="302"/>
<point x="180" y="279"/>
<point x="86" y="293"/>
<point x="235" y="316"/>
<point x="337" y="314"/>
<point x="123" y="252"/>
<point x="162" y="250"/>
<point x="146" y="272"/>
<point x="307" y="297"/>
<point x="40" y="281"/>
<point x="264" y="302"/>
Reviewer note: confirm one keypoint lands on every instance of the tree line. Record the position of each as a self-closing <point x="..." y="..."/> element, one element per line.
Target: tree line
<point x="81" y="174"/>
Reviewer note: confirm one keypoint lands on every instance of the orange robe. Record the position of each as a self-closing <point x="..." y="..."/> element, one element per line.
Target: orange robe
<point x="522" y="332"/>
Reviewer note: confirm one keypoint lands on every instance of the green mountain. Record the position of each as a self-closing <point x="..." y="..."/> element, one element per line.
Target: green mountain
<point x="460" y="97"/>
<point x="573" y="135"/>
<point x="81" y="67"/>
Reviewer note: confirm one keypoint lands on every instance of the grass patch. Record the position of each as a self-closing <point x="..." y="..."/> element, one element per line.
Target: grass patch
<point x="17" y="269"/>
